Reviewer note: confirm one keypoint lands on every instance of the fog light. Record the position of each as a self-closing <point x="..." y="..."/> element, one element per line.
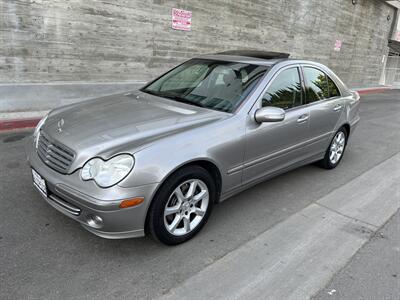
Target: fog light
<point x="94" y="221"/>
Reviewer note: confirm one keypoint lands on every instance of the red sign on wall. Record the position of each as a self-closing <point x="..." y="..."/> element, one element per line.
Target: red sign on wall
<point x="338" y="45"/>
<point x="181" y="19"/>
<point x="397" y="36"/>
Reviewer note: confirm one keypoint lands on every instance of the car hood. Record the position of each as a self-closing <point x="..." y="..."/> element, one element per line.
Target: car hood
<point x="121" y="123"/>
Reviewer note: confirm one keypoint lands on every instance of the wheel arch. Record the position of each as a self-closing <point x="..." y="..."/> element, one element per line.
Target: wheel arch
<point x="346" y="126"/>
<point x="207" y="164"/>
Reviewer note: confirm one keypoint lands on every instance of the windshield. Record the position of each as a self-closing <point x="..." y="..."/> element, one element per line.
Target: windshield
<point x="218" y="85"/>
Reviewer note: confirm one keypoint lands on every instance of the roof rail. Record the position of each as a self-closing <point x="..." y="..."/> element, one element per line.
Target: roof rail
<point x="256" y="54"/>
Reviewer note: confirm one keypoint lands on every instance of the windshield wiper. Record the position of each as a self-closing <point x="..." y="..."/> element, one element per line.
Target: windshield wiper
<point x="173" y="97"/>
<point x="183" y="100"/>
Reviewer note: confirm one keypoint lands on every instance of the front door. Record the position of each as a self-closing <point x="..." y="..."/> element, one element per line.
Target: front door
<point x="273" y="146"/>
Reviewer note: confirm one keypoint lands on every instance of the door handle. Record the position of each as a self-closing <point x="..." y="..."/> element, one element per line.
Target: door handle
<point x="337" y="107"/>
<point x="302" y="118"/>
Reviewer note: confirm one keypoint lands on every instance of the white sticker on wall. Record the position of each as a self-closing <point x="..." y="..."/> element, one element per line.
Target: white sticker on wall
<point x="181" y="19"/>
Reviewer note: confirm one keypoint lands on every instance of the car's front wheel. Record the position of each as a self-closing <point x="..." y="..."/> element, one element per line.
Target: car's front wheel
<point x="335" y="151"/>
<point x="182" y="205"/>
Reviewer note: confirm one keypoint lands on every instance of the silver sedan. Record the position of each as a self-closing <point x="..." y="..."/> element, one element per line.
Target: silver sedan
<point x="156" y="160"/>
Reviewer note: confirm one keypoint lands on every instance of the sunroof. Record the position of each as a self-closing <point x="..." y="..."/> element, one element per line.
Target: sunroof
<point x="256" y="54"/>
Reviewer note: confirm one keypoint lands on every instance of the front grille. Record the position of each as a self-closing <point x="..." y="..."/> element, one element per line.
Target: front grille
<point x="54" y="154"/>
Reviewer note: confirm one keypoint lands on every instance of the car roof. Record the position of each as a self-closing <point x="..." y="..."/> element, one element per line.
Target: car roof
<point x="267" y="58"/>
<point x="263" y="58"/>
<point x="256" y="54"/>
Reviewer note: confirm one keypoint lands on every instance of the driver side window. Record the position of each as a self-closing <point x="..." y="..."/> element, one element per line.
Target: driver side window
<point x="285" y="91"/>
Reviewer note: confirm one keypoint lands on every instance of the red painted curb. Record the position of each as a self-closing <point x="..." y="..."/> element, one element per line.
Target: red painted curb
<point x="373" y="90"/>
<point x="18" y="124"/>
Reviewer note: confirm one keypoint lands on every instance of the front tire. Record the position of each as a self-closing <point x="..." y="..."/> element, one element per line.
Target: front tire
<point x="335" y="151"/>
<point x="182" y="205"/>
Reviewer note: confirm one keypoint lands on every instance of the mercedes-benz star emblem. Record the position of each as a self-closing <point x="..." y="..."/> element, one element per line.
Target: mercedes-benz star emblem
<point x="60" y="124"/>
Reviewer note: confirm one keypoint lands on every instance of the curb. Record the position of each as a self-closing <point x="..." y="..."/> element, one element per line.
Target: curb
<point x="373" y="90"/>
<point x="24" y="123"/>
<point x="6" y="125"/>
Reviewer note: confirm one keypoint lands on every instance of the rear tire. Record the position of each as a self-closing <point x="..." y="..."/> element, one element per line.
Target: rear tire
<point x="182" y="205"/>
<point x="335" y="151"/>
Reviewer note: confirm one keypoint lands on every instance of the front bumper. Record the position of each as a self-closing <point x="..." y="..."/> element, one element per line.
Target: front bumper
<point x="84" y="200"/>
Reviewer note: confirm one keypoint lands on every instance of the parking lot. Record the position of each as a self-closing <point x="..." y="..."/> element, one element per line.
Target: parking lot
<point x="45" y="255"/>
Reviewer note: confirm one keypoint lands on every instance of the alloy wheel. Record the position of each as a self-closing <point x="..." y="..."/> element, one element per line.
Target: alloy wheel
<point x="337" y="147"/>
<point x="186" y="207"/>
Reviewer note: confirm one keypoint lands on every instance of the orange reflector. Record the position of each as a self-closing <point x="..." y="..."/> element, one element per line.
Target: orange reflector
<point x="131" y="202"/>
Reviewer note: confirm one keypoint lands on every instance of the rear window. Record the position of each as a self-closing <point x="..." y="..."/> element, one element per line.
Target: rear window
<point x="316" y="84"/>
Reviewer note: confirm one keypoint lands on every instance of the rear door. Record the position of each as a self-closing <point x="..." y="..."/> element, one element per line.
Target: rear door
<point x="274" y="146"/>
<point x="325" y="104"/>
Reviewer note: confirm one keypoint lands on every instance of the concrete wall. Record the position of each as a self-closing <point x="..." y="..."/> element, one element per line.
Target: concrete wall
<point x="45" y="41"/>
<point x="41" y="97"/>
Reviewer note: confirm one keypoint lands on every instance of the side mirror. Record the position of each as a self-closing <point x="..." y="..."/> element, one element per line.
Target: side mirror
<point x="269" y="114"/>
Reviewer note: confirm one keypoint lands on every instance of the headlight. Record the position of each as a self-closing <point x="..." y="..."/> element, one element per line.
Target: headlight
<point x="36" y="133"/>
<point x="110" y="172"/>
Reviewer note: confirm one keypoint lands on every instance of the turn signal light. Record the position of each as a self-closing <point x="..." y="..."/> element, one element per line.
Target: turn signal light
<point x="131" y="202"/>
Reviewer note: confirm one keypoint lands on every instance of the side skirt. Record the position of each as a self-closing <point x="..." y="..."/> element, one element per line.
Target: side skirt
<point x="301" y="163"/>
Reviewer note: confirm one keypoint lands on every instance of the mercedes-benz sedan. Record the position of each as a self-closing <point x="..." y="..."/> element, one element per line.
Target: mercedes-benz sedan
<point x="156" y="160"/>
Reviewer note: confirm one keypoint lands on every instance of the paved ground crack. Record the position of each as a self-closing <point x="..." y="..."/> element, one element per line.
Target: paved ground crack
<point x="346" y="216"/>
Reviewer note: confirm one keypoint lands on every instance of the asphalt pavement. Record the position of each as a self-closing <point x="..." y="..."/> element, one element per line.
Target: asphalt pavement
<point x="45" y="255"/>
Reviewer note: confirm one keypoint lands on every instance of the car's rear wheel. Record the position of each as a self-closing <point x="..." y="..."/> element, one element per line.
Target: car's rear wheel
<point x="182" y="205"/>
<point x="335" y="151"/>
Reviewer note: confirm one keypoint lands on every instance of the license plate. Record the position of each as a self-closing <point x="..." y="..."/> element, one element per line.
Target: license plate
<point x="39" y="182"/>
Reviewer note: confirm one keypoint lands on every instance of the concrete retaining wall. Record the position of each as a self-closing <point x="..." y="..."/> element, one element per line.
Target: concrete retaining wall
<point x="40" y="97"/>
<point x="50" y="41"/>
